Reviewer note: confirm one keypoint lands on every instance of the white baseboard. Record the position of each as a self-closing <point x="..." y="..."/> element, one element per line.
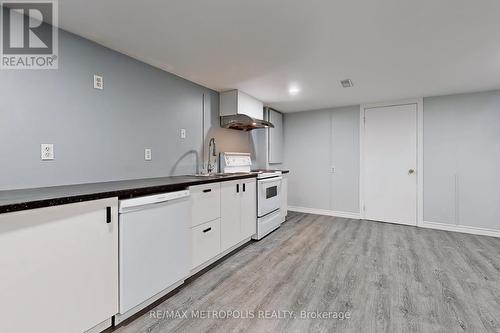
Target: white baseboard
<point x="425" y="224"/>
<point x="347" y="215"/>
<point x="461" y="228"/>
<point x="100" y="327"/>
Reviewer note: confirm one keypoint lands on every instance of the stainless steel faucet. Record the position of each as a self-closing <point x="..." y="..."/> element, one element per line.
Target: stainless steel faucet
<point x="210" y="166"/>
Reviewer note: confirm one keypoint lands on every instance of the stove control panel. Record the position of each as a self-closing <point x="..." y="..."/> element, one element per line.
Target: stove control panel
<point x="235" y="162"/>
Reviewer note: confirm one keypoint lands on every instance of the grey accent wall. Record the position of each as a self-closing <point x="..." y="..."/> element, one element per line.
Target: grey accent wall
<point x="462" y="159"/>
<point x="259" y="148"/>
<point x="101" y="135"/>
<point x="345" y="159"/>
<point x="316" y="141"/>
<point x="259" y="141"/>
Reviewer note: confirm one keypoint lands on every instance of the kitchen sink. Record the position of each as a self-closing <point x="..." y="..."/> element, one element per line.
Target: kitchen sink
<point x="215" y="175"/>
<point x="212" y="174"/>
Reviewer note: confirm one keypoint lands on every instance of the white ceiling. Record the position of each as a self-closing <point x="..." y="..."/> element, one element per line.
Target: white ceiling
<point x="391" y="49"/>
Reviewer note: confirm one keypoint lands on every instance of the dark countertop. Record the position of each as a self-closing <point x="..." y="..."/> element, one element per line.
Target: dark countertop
<point x="16" y="200"/>
<point x="271" y="170"/>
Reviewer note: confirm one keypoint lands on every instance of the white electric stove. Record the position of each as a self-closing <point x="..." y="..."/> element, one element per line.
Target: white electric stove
<point x="262" y="174"/>
<point x="268" y="190"/>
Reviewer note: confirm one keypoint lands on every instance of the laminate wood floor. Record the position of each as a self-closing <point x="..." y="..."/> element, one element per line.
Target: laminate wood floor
<point x="387" y="277"/>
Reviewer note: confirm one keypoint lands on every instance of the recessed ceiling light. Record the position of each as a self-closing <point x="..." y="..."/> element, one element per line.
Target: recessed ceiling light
<point x="293" y="90"/>
<point x="347" y="83"/>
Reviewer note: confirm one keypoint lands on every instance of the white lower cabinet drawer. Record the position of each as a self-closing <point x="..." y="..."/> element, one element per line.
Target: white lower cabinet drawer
<point x="205" y="203"/>
<point x="205" y="242"/>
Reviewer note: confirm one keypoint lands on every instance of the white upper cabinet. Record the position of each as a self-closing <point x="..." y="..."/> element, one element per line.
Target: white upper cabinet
<point x="276" y="137"/>
<point x="237" y="102"/>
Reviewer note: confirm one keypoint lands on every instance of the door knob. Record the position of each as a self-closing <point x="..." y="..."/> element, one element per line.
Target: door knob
<point x="411" y="171"/>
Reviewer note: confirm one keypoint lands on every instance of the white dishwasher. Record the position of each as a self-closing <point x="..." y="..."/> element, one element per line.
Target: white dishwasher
<point x="154" y="249"/>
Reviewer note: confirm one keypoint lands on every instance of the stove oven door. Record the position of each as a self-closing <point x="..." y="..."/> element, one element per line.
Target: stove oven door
<point x="269" y="195"/>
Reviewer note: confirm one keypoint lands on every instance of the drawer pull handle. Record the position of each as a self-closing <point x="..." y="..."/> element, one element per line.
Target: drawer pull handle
<point x="207" y="229"/>
<point x="244" y="187"/>
<point x="108" y="214"/>
<point x="207" y="190"/>
<point x="237" y="188"/>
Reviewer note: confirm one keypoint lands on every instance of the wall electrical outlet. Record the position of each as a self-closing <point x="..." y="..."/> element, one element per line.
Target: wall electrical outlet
<point x="183" y="133"/>
<point x="46" y="151"/>
<point x="147" y="154"/>
<point x="98" y="82"/>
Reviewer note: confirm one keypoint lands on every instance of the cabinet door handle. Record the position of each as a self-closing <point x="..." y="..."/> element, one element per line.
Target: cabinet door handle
<point x="237" y="188"/>
<point x="207" y="229"/>
<point x="244" y="188"/>
<point x="207" y="190"/>
<point x="108" y="214"/>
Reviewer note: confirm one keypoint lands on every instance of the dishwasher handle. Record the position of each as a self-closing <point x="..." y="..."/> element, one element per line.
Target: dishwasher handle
<point x="140" y="202"/>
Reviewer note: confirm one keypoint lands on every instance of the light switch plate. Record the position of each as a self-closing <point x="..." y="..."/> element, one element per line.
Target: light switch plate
<point x="148" y="154"/>
<point x="98" y="82"/>
<point x="47" y="151"/>
<point x="183" y="133"/>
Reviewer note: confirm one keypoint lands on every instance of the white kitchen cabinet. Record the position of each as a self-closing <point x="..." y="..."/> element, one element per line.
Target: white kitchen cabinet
<point x="238" y="211"/>
<point x="235" y="202"/>
<point x="249" y="208"/>
<point x="59" y="267"/>
<point x="230" y="233"/>
<point x="284" y="196"/>
<point x="205" y="242"/>
<point x="205" y="203"/>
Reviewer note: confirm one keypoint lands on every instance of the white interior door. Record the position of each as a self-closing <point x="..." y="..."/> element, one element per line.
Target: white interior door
<point x="389" y="164"/>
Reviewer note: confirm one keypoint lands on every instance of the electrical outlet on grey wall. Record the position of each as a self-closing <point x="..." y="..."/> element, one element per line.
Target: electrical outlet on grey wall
<point x="47" y="151"/>
<point x="98" y="82"/>
<point x="148" y="154"/>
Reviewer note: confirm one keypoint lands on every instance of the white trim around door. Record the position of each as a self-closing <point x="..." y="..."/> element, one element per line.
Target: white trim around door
<point x="419" y="157"/>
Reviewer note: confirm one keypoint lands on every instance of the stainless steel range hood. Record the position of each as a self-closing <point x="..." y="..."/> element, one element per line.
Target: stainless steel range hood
<point x="242" y="112"/>
<point x="243" y="122"/>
